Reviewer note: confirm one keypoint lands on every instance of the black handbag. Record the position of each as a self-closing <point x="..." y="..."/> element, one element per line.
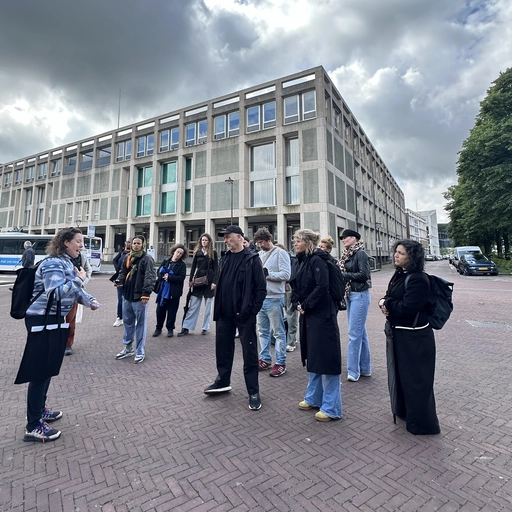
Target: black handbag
<point x="44" y="350"/>
<point x="200" y="281"/>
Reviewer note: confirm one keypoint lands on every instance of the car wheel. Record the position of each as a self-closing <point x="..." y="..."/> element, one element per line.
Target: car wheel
<point x="465" y="272"/>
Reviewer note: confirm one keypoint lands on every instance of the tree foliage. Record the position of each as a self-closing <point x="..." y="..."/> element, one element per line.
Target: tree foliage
<point x="480" y="204"/>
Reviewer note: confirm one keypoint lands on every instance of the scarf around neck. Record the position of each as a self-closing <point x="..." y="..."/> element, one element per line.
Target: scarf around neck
<point x="131" y="262"/>
<point x="347" y="253"/>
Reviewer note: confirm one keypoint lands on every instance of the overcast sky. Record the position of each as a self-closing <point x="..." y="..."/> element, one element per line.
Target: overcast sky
<point x="412" y="71"/>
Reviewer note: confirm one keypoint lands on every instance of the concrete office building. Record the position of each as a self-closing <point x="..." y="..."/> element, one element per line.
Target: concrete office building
<point x="417" y="228"/>
<point x="285" y="154"/>
<point x="430" y="217"/>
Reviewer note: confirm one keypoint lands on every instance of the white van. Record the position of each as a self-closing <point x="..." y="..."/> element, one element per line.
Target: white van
<point x="466" y="249"/>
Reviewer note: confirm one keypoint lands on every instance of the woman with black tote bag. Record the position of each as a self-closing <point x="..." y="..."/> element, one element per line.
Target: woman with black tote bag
<point x="61" y="285"/>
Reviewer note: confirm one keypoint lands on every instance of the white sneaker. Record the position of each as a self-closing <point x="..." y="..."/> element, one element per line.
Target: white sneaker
<point x="118" y="322"/>
<point x="290" y="348"/>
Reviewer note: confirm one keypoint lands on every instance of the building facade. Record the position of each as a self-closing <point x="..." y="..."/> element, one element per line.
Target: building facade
<point x="417" y="228"/>
<point x="286" y="154"/>
<point x="430" y="217"/>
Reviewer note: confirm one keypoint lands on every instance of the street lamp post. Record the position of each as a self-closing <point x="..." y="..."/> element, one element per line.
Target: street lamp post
<point x="232" y="183"/>
<point x="379" y="244"/>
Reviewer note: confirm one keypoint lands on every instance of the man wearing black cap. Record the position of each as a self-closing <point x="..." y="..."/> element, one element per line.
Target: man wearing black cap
<point x="241" y="290"/>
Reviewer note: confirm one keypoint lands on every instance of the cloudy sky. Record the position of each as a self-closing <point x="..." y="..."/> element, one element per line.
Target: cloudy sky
<point x="412" y="71"/>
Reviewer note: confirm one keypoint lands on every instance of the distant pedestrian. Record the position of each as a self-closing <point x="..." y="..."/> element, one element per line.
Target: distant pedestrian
<point x="61" y="286"/>
<point x="118" y="264"/>
<point x="241" y="290"/>
<point x="410" y="342"/>
<point x="137" y="278"/>
<point x="171" y="276"/>
<point x="202" y="284"/>
<point x="28" y="257"/>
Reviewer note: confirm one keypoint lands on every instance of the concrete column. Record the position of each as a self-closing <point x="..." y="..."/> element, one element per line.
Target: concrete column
<point x="281" y="229"/>
<point x="181" y="234"/>
<point x="244" y="224"/>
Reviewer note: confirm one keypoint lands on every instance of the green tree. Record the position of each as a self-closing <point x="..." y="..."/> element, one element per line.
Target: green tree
<point x="480" y="204"/>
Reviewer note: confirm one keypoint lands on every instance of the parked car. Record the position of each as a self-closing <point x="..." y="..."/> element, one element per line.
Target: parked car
<point x="476" y="263"/>
<point x="430" y="257"/>
<point x="451" y="261"/>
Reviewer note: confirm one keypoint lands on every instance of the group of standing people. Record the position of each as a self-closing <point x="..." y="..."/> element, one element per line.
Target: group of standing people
<point x="250" y="290"/>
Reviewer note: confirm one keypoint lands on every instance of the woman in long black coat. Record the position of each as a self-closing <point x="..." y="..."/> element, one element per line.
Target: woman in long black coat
<point x="319" y="334"/>
<point x="411" y="347"/>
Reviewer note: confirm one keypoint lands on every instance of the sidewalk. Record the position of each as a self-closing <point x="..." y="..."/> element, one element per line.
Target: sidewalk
<point x="145" y="437"/>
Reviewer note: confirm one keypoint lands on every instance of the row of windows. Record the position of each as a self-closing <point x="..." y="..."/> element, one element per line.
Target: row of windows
<point x="300" y="107"/>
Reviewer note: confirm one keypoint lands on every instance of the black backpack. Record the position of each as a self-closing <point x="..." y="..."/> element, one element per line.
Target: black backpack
<point x="440" y="299"/>
<point x="23" y="290"/>
<point x="336" y="283"/>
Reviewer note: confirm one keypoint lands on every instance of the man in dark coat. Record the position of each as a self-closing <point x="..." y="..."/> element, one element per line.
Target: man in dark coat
<point x="241" y="290"/>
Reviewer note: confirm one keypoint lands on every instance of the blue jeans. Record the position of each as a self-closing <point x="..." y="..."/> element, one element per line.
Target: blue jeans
<point x="271" y="320"/>
<point x="190" y="320"/>
<point x="135" y="321"/>
<point x="358" y="354"/>
<point x="324" y="391"/>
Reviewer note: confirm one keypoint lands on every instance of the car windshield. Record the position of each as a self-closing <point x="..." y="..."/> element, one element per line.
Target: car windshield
<point x="476" y="257"/>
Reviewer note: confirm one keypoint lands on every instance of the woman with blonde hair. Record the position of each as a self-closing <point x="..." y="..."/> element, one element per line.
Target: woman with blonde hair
<point x="326" y="244"/>
<point x="319" y="334"/>
<point x="202" y="283"/>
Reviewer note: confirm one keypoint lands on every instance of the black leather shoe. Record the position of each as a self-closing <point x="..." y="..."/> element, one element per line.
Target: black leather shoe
<point x="157" y="333"/>
<point x="183" y="332"/>
<point x="170" y="334"/>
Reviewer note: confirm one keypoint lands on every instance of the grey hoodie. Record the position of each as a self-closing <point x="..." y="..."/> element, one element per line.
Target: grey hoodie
<point x="277" y="262"/>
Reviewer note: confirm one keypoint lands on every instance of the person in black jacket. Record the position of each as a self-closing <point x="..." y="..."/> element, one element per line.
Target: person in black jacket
<point x="28" y="257"/>
<point x="137" y="278"/>
<point x="320" y="345"/>
<point x="355" y="267"/>
<point x="410" y="347"/>
<point x="118" y="263"/>
<point x="171" y="276"/>
<point x="241" y="290"/>
<point x="205" y="264"/>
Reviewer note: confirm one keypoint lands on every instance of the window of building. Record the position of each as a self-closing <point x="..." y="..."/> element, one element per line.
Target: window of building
<point x="169" y="172"/>
<point x="56" y="167"/>
<point x="219" y="126"/>
<point x="143" y="205"/>
<point x="42" y="171"/>
<point x="144" y="177"/>
<point x="168" y="202"/>
<point x="39" y="216"/>
<point x="29" y="173"/>
<point x="188" y="200"/>
<point x="8" y="179"/>
<point x="263" y="193"/>
<point x="71" y="165"/>
<point x="19" y="177"/>
<point x="292" y="171"/>
<point x="263" y="157"/>
<point x="293" y="189"/>
<point x="196" y="133"/>
<point x="86" y="161"/>
<point x="145" y="145"/>
<point x="169" y="139"/>
<point x="124" y="151"/>
<point x="40" y="195"/>
<point x="300" y="107"/>
<point x="261" y="117"/>
<point x="336" y="118"/>
<point x="188" y="169"/>
<point x="104" y="156"/>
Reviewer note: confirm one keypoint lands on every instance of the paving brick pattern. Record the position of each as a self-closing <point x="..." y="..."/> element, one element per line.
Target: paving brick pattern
<point x="144" y="437"/>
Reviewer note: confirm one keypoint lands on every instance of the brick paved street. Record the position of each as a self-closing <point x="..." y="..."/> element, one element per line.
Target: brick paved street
<point x="145" y="437"/>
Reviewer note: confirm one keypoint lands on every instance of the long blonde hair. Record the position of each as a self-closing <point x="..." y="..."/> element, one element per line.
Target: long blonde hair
<point x="209" y="248"/>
